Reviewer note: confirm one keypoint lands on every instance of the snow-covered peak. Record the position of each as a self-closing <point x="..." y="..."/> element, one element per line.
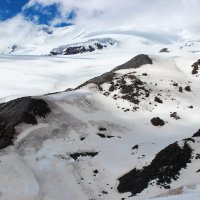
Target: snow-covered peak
<point x="130" y="133"/>
<point x="84" y="47"/>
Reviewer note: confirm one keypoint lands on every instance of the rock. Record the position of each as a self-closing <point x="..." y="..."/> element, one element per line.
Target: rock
<point x="112" y="88"/>
<point x="144" y="74"/>
<point x="99" y="80"/>
<point x="175" y="84"/>
<point x="82" y="138"/>
<point x="180" y="89"/>
<point x="76" y="155"/>
<point x="135" y="63"/>
<point x="130" y="92"/>
<point x="188" y="89"/>
<point x="135" y="147"/>
<point x="77" y="50"/>
<point x="156" y="121"/>
<point x="164" y="168"/>
<point x="15" y="112"/>
<point x="13" y="48"/>
<point x="104" y="136"/>
<point x="195" y="67"/>
<point x="197" y="134"/>
<point x="174" y="115"/>
<point x="84" y="47"/>
<point x="101" y="135"/>
<point x="164" y="50"/>
<point x="158" y="100"/>
<point x="96" y="171"/>
<point x="102" y="129"/>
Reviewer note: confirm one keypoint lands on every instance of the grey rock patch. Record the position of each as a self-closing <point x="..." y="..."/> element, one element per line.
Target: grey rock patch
<point x="135" y="62"/>
<point x="164" y="50"/>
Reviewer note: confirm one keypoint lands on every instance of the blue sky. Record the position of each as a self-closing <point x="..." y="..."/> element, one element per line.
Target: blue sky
<point x="10" y="8"/>
<point x="38" y="13"/>
<point x="141" y="14"/>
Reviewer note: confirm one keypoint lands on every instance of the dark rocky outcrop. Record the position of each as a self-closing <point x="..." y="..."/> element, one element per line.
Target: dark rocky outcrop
<point x="156" y="121"/>
<point x="15" y="112"/>
<point x="78" y="50"/>
<point x="102" y="129"/>
<point x="130" y="92"/>
<point x="180" y="89"/>
<point x="128" y="86"/>
<point x="13" y="48"/>
<point x="135" y="62"/>
<point x="84" y="47"/>
<point x="188" y="89"/>
<point x="158" y="100"/>
<point x="108" y="77"/>
<point x="75" y="156"/>
<point x="164" y="50"/>
<point x="99" y="80"/>
<point x="164" y="168"/>
<point x="174" y="115"/>
<point x="133" y="91"/>
<point x="195" y="67"/>
<point x="135" y="147"/>
<point x="104" y="136"/>
<point x="197" y="134"/>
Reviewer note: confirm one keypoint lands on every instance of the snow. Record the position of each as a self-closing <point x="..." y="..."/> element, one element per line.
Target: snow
<point x="39" y="166"/>
<point x="105" y="42"/>
<point x="36" y="75"/>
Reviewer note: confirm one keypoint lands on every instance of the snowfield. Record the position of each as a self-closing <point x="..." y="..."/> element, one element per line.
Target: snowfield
<point x="100" y="129"/>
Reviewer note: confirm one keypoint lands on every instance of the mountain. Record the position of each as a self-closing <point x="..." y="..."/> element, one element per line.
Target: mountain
<point x="42" y="39"/>
<point x="129" y="133"/>
<point x="88" y="46"/>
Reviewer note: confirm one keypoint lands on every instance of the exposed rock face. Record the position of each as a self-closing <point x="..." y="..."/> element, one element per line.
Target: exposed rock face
<point x="84" y="47"/>
<point x="195" y="67"/>
<point x="99" y="80"/>
<point x="174" y="115"/>
<point x="188" y="89"/>
<point x="13" y="48"/>
<point x="157" y="99"/>
<point x="180" y="89"/>
<point x="22" y="110"/>
<point x="75" y="156"/>
<point x="164" y="50"/>
<point x="135" y="63"/>
<point x="131" y="92"/>
<point x="164" y="168"/>
<point x="128" y="86"/>
<point x="197" y="134"/>
<point x="156" y="121"/>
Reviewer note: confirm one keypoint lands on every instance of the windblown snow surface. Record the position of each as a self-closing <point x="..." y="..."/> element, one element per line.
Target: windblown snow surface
<point x="100" y="131"/>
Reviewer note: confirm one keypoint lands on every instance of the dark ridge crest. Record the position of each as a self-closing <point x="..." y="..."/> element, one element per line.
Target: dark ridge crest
<point x="15" y="112"/>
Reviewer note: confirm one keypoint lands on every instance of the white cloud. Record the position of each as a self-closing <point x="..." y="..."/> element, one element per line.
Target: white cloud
<point x="161" y="16"/>
<point x="16" y="31"/>
<point x="141" y="14"/>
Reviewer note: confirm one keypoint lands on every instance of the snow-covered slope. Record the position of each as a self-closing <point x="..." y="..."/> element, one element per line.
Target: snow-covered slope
<point x="192" y="46"/>
<point x="85" y="140"/>
<point x="84" y="47"/>
<point x="43" y="39"/>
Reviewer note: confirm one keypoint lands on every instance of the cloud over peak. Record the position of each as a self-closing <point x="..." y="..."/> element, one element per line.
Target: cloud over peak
<point x="163" y="14"/>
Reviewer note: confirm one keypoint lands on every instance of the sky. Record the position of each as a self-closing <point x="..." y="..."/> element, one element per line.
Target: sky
<point x="37" y="13"/>
<point x="18" y="18"/>
<point x="163" y="14"/>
